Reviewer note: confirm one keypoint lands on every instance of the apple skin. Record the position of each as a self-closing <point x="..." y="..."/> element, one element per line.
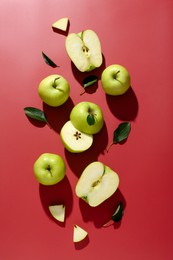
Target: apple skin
<point x="49" y="169"/>
<point x="79" y="114"/>
<point x="115" y="80"/>
<point x="54" y="90"/>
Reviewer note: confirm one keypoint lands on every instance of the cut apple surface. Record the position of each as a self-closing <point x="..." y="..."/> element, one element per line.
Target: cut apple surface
<point x="61" y="24"/>
<point x="74" y="140"/>
<point x="58" y="212"/>
<point x="97" y="183"/>
<point x="78" y="233"/>
<point x="84" y="50"/>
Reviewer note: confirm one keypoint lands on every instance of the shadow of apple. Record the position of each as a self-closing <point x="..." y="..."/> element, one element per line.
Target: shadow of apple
<point x="58" y="116"/>
<point x="54" y="194"/>
<point x="78" y="161"/>
<point x="124" y="107"/>
<point x="103" y="212"/>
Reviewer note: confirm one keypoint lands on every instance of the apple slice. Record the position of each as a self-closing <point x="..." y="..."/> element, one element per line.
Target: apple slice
<point x="84" y="50"/>
<point x="61" y="24"/>
<point x="79" y="234"/>
<point x="74" y="140"/>
<point x="97" y="183"/>
<point x="58" y="212"/>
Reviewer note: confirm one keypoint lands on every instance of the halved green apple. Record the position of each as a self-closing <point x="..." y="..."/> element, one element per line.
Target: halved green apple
<point x="78" y="233"/>
<point x="58" y="212"/>
<point x="74" y="140"/>
<point x="84" y="50"/>
<point x="97" y="183"/>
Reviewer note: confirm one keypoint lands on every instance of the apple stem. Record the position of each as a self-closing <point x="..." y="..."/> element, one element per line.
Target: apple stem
<point x="55" y="81"/>
<point x="109" y="147"/>
<point x="116" y="74"/>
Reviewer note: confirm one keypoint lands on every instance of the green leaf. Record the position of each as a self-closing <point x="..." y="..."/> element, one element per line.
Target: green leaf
<point x="121" y="133"/>
<point x="118" y="214"/>
<point x="35" y="113"/>
<point x="88" y="81"/>
<point x="49" y="61"/>
<point x="90" y="119"/>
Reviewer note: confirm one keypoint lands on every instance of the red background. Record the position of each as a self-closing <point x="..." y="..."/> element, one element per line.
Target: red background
<point x="135" y="34"/>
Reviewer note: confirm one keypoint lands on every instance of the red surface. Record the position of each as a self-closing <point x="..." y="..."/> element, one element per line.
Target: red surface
<point x="136" y="34"/>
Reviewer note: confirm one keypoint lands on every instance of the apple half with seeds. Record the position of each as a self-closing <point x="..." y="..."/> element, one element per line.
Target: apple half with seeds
<point x="74" y="140"/>
<point x="97" y="183"/>
<point x="79" y="234"/>
<point x="84" y="50"/>
<point x="58" y="212"/>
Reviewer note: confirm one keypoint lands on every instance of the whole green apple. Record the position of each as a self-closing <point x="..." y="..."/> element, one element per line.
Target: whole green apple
<point x="49" y="169"/>
<point x="87" y="117"/>
<point x="54" y="90"/>
<point x="115" y="80"/>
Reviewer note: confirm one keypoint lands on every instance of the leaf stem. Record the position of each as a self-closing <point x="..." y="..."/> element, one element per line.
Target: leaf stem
<point x="109" y="147"/>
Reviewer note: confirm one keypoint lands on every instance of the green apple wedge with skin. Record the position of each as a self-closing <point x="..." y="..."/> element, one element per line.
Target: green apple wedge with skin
<point x="97" y="183"/>
<point x="54" y="90"/>
<point x="74" y="140"/>
<point x="115" y="80"/>
<point x="87" y="117"/>
<point x="49" y="169"/>
<point x="84" y="50"/>
<point x="58" y="212"/>
<point x="79" y="234"/>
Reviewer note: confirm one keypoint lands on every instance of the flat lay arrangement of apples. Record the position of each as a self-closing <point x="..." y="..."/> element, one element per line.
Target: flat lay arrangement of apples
<point x="98" y="182"/>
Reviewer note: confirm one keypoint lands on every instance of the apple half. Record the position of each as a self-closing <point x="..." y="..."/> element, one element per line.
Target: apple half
<point x="74" y="140"/>
<point x="58" y="212"/>
<point x="84" y="50"/>
<point x="97" y="183"/>
<point x="79" y="234"/>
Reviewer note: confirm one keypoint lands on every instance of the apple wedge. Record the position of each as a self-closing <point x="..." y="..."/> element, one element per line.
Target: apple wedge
<point x="61" y="24"/>
<point x="97" y="183"/>
<point x="84" y="50"/>
<point x="74" y="140"/>
<point x="58" y="212"/>
<point x="78" y="233"/>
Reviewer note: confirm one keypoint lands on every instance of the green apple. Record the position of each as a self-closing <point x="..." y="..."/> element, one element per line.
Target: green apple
<point x="84" y="50"/>
<point x="58" y="212"/>
<point x="87" y="117"/>
<point x="61" y="24"/>
<point x="79" y="233"/>
<point x="54" y="90"/>
<point x="74" y="140"/>
<point x="115" y="80"/>
<point x="97" y="183"/>
<point x="49" y="168"/>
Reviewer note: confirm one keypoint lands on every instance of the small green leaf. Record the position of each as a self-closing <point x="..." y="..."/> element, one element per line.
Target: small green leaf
<point x="90" y="119"/>
<point x="35" y="113"/>
<point x="121" y="133"/>
<point x="118" y="214"/>
<point x="49" y="61"/>
<point x="88" y="81"/>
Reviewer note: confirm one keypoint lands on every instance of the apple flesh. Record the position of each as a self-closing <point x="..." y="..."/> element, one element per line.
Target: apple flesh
<point x="54" y="90"/>
<point x="97" y="183"/>
<point x="74" y="140"/>
<point x="84" y="50"/>
<point x="79" y="117"/>
<point x="58" y="212"/>
<point x="115" y="80"/>
<point x="61" y="24"/>
<point x="79" y="234"/>
<point x="49" y="169"/>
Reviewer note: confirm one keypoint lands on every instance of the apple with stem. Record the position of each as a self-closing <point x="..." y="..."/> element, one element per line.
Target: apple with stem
<point x="74" y="140"/>
<point x="84" y="50"/>
<point x="49" y="169"/>
<point x="79" y="233"/>
<point x="87" y="117"/>
<point x="54" y="90"/>
<point x="115" y="80"/>
<point x="97" y="183"/>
